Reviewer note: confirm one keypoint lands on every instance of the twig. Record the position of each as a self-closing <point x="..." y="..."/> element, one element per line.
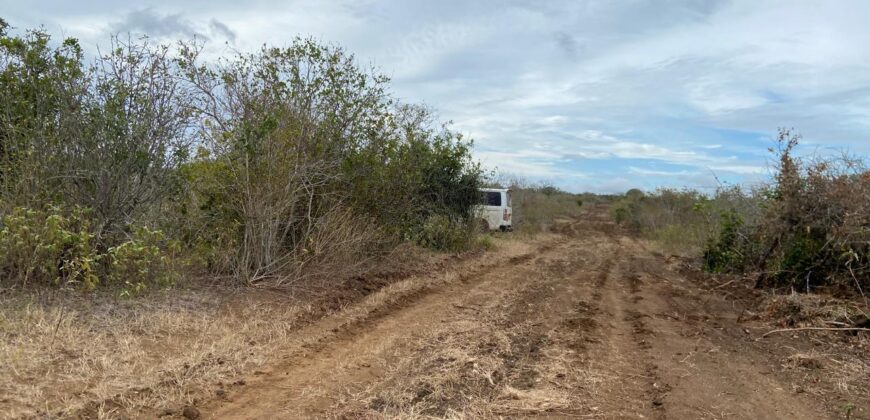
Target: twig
<point x="465" y="307"/>
<point x="57" y="326"/>
<point x="658" y="276"/>
<point x="857" y="283"/>
<point x="814" y="329"/>
<point x="723" y="284"/>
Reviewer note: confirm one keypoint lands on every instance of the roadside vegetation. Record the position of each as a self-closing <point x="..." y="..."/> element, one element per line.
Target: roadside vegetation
<point x="149" y="163"/>
<point x="537" y="206"/>
<point x="794" y="252"/>
<point x="805" y="231"/>
<point x="152" y="201"/>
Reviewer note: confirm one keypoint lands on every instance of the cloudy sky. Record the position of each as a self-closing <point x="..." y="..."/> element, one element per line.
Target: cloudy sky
<point x="594" y="95"/>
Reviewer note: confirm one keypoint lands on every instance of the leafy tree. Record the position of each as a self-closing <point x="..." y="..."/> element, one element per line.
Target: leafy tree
<point x="302" y="158"/>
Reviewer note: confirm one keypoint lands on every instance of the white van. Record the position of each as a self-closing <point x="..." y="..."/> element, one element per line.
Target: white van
<point x="494" y="209"/>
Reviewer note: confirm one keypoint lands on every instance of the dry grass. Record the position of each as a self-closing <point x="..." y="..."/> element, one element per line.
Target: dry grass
<point x="63" y="356"/>
<point x="812" y="310"/>
<point x="536" y="211"/>
<point x="66" y="355"/>
<point x="840" y="357"/>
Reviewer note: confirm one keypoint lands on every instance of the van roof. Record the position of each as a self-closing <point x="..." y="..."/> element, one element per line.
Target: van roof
<point x="495" y="189"/>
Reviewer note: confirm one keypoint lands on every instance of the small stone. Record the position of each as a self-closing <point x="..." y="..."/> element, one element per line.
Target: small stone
<point x="190" y="412"/>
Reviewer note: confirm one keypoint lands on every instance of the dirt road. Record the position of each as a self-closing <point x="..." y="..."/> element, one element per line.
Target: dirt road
<point x="587" y="324"/>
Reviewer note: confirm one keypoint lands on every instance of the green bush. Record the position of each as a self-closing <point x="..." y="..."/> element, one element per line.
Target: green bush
<point x="685" y="222"/>
<point x="48" y="247"/>
<point x="621" y="212"/>
<point x="725" y="252"/>
<point x="807" y="229"/>
<point x="141" y="261"/>
<point x="237" y="164"/>
<point x="628" y="211"/>
<point x="268" y="174"/>
<point x="445" y="233"/>
<point x="56" y="247"/>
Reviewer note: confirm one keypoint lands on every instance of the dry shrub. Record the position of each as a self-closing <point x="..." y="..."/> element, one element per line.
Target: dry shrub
<point x="453" y="374"/>
<point x="340" y="244"/>
<point x="812" y="310"/>
<point x="808" y="229"/>
<point x="815" y="228"/>
<point x="96" y="355"/>
<point x="297" y="138"/>
<point x="683" y="222"/>
<point x="536" y="207"/>
<point x="804" y="361"/>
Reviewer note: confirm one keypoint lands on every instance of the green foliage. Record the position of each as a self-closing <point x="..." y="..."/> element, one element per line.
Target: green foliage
<point x="299" y="152"/>
<point x="800" y="254"/>
<point x="634" y="194"/>
<point x="141" y="261"/>
<point x="39" y="84"/>
<point x="307" y="131"/>
<point x="210" y="226"/>
<point x="444" y="233"/>
<point x="684" y="221"/>
<point x="48" y="247"/>
<point x="485" y="242"/>
<point x="848" y="408"/>
<point x="725" y="251"/>
<point x="624" y="213"/>
<point x="415" y="171"/>
<point x="107" y="137"/>
<point x="808" y="229"/>
<point x="549" y="190"/>
<point x="57" y="247"/>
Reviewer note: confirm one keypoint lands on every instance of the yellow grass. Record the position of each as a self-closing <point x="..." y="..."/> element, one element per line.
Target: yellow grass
<point x="65" y="355"/>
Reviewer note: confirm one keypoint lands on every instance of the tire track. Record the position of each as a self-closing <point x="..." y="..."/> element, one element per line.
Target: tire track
<point x="572" y="329"/>
<point x="305" y="383"/>
<point x="642" y="336"/>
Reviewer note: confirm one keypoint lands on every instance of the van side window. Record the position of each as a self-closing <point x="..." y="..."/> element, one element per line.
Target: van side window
<point x="508" y="194"/>
<point x="493" y="198"/>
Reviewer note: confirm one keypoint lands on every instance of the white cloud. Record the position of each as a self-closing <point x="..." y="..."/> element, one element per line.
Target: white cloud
<point x="546" y="87"/>
<point x="642" y="171"/>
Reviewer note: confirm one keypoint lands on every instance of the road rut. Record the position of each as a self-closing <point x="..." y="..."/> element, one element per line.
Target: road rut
<point x="587" y="324"/>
